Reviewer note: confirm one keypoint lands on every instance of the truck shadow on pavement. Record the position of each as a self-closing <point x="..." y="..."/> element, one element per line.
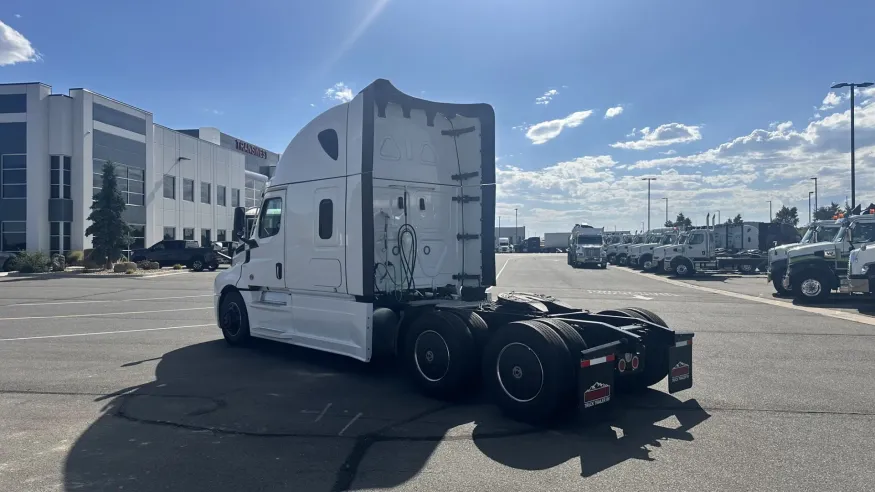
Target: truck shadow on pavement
<point x="277" y="417"/>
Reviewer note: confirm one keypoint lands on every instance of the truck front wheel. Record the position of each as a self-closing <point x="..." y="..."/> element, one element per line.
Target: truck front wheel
<point x="778" y="283"/>
<point x="647" y="263"/>
<point x="683" y="268"/>
<point x="622" y="260"/>
<point x="440" y="355"/>
<point x="811" y="286"/>
<point x="234" y="319"/>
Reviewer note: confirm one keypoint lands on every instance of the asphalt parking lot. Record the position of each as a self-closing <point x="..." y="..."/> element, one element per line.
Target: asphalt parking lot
<point x="126" y="384"/>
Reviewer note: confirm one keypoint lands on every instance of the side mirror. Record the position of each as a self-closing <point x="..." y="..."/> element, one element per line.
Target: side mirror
<point x="239" y="230"/>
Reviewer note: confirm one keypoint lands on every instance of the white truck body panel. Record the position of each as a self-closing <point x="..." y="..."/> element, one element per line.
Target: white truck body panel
<point x="358" y="192"/>
<point x="554" y="240"/>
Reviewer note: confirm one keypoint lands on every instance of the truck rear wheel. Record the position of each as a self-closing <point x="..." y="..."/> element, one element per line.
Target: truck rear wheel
<point x="778" y="283"/>
<point x="234" y="319"/>
<point x="197" y="264"/>
<point x="655" y="356"/>
<point x="612" y="259"/>
<point x="811" y="286"/>
<point x="527" y="369"/>
<point x="440" y="354"/>
<point x="478" y="328"/>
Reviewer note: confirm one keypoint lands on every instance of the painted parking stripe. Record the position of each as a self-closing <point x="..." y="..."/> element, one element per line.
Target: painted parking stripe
<point x="104" y="333"/>
<point x="105" y="300"/>
<point x="105" y="314"/>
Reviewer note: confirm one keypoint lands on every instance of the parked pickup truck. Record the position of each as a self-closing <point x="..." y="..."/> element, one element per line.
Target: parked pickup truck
<point x="173" y="251"/>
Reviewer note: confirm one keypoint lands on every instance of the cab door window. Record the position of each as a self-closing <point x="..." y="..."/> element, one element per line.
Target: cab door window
<point x="697" y="239"/>
<point x="270" y="220"/>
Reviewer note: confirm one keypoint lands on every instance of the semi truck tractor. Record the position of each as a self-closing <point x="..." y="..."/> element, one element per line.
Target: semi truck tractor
<point x="587" y="247"/>
<point x="815" y="270"/>
<point x="667" y="251"/>
<point x="504" y="245"/>
<point x="639" y="254"/>
<point x="700" y="253"/>
<point x="621" y="256"/>
<point x="613" y="239"/>
<point x="818" y="231"/>
<point x="371" y="242"/>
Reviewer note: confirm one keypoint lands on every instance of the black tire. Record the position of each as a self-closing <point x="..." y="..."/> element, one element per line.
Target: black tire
<point x="575" y="343"/>
<point x="622" y="260"/>
<point x="526" y="370"/>
<point x="612" y="258"/>
<point x="683" y="268"/>
<point x="647" y="263"/>
<point x="778" y="283"/>
<point x="440" y="355"/>
<point x="197" y="264"/>
<point x="811" y="287"/>
<point x="603" y="266"/>
<point x="213" y="266"/>
<point x="747" y="269"/>
<point x="478" y="328"/>
<point x="655" y="356"/>
<point x="234" y="319"/>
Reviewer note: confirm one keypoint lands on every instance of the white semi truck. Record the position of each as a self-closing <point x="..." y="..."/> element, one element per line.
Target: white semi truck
<point x="587" y="247"/>
<point x="641" y="255"/>
<point x="504" y="245"/>
<point x="660" y="253"/>
<point x="621" y="256"/>
<point x="370" y="242"/>
<point x="613" y="240"/>
<point x="819" y="230"/>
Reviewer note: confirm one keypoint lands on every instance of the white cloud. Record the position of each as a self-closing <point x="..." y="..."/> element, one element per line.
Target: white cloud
<point x="312" y="105"/>
<point x="545" y="131"/>
<point x="18" y="16"/>
<point x="547" y="97"/>
<point x="669" y="152"/>
<point x="14" y="47"/>
<point x="339" y="92"/>
<point x="832" y="100"/>
<point x="615" y="111"/>
<point x="215" y="111"/>
<point x="663" y="135"/>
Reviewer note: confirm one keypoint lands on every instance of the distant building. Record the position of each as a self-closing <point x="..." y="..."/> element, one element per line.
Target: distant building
<point x="515" y="234"/>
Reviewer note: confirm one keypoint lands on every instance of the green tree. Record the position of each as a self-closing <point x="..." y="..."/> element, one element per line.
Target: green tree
<point x="787" y="216"/>
<point x="737" y="220"/>
<point x="682" y="221"/>
<point x="828" y="212"/>
<point x="111" y="234"/>
<point x="668" y="223"/>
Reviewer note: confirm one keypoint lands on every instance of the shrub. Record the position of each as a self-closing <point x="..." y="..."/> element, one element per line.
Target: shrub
<point x="155" y="265"/>
<point x="36" y="262"/>
<point x="144" y="265"/>
<point x="75" y="258"/>
<point x="178" y="267"/>
<point x="91" y="265"/>
<point x="59" y="263"/>
<point x="119" y="267"/>
<point x="130" y="271"/>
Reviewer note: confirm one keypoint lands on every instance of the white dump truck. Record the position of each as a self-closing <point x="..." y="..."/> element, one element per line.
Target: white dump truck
<point x="369" y="243"/>
<point x="587" y="247"/>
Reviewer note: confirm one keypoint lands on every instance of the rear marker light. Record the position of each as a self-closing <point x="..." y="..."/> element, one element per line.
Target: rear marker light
<point x="621" y="366"/>
<point x="685" y="342"/>
<point x="600" y="360"/>
<point x="635" y="363"/>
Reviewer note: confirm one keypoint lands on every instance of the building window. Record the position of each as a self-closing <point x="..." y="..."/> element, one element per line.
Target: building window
<point x="138" y="236"/>
<point x="13" y="175"/>
<point x="205" y="238"/>
<point x="188" y="190"/>
<point x="55" y="172"/>
<point x="169" y="233"/>
<point x="220" y="195"/>
<point x="271" y="217"/>
<point x="188" y="234"/>
<point x="220" y="235"/>
<point x="326" y="219"/>
<point x="59" y="237"/>
<point x="13" y="236"/>
<point x="254" y="190"/>
<point x="170" y="187"/>
<point x="235" y="197"/>
<point x="205" y="193"/>
<point x="131" y="182"/>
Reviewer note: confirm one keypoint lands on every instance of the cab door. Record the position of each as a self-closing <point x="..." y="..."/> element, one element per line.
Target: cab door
<point x="696" y="249"/>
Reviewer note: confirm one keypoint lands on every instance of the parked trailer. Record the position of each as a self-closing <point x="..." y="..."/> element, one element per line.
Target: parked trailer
<point x="555" y="242"/>
<point x="340" y="263"/>
<point x="532" y="245"/>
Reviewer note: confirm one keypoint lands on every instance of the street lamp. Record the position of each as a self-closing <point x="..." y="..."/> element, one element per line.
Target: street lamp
<point x="516" y="225"/>
<point x="648" y="200"/>
<point x="770" y="210"/>
<point x="666" y="209"/>
<point x="853" y="86"/>
<point x="815" y="192"/>
<point x="718" y="217"/>
<point x="809" y="206"/>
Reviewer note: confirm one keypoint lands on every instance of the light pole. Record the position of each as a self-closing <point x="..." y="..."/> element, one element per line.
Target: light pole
<point x="648" y="200"/>
<point x="809" y="206"/>
<point x="666" y="209"/>
<point x="815" y="193"/>
<point x="853" y="86"/>
<point x="516" y="225"/>
<point x="718" y="217"/>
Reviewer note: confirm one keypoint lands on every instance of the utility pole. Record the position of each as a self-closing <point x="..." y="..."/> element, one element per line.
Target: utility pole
<point x="815" y="193"/>
<point x="516" y="227"/>
<point x="648" y="200"/>
<point x="666" y="209"/>
<point x="718" y="217"/>
<point x="852" y="86"/>
<point x="809" y="206"/>
<point x="770" y="210"/>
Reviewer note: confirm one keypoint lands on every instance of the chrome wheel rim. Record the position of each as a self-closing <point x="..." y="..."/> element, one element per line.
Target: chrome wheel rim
<point x="232" y="319"/>
<point x="520" y="372"/>
<point x="431" y="355"/>
<point x="682" y="269"/>
<point x="811" y="287"/>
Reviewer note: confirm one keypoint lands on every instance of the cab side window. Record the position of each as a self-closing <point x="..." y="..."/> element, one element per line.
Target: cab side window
<point x="864" y="233"/>
<point x="270" y="220"/>
<point x="697" y="239"/>
<point x="326" y="219"/>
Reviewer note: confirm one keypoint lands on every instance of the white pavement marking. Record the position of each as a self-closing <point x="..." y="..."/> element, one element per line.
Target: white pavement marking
<point x="349" y="424"/>
<point x="104" y="300"/>
<point x="857" y="318"/>
<point x="636" y="296"/>
<point x="105" y="314"/>
<point x="162" y="275"/>
<point x="103" y="333"/>
<point x="502" y="268"/>
<point x="322" y="414"/>
<point x="634" y="293"/>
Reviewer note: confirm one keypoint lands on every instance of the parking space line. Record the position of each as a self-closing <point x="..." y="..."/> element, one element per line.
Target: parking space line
<point x="104" y="333"/>
<point x="857" y="318"/>
<point x="349" y="424"/>
<point x="105" y="300"/>
<point x="105" y="314"/>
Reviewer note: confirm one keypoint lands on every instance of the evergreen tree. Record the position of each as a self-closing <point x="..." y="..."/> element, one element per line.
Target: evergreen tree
<point x="787" y="216"/>
<point x="111" y="234"/>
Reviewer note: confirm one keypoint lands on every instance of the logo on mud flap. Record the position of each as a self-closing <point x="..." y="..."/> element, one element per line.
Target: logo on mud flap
<point x="680" y="372"/>
<point x="597" y="394"/>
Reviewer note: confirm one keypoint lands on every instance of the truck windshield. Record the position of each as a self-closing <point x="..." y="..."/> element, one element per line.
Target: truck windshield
<point x="809" y="235"/>
<point x="682" y="239"/>
<point x="668" y="239"/>
<point x="823" y="233"/>
<point x="589" y="239"/>
<point x="638" y="240"/>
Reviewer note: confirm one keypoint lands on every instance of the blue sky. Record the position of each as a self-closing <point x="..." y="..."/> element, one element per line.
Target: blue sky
<point x="706" y="88"/>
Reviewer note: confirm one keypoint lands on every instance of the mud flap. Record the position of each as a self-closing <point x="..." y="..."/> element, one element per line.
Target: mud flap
<point x="680" y="363"/>
<point x="595" y="381"/>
